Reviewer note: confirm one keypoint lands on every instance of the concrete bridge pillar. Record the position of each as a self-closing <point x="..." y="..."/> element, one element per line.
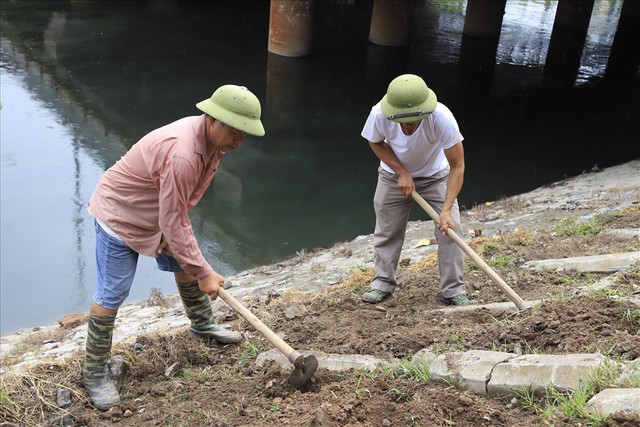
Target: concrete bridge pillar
<point x="624" y="59"/>
<point x="480" y="37"/>
<point x="483" y="18"/>
<point x="567" y="41"/>
<point x="391" y="22"/>
<point x="287" y="79"/>
<point x="291" y="27"/>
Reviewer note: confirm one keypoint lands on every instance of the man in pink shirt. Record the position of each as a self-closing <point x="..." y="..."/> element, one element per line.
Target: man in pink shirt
<point x="141" y="206"/>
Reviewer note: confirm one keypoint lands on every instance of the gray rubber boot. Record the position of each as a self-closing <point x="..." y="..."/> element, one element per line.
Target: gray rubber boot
<point x="95" y="371"/>
<point x="197" y="306"/>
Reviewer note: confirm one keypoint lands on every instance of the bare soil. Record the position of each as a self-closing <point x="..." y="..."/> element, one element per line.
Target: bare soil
<point x="221" y="386"/>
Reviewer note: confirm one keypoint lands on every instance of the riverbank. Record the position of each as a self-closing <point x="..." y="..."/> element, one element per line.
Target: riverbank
<point x="407" y="361"/>
<point x="580" y="197"/>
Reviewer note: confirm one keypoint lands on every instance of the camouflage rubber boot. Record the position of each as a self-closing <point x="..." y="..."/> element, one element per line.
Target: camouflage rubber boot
<point x="95" y="371"/>
<point x="197" y="305"/>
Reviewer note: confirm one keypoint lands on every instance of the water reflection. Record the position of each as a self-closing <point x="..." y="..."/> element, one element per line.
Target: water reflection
<point x="102" y="74"/>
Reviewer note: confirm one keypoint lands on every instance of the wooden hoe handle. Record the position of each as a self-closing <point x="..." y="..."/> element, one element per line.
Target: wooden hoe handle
<point x="274" y="339"/>
<point x="513" y="296"/>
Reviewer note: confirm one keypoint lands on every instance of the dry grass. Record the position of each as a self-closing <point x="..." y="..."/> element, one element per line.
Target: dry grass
<point x="28" y="395"/>
<point x="156" y="299"/>
<point x="481" y="210"/>
<point x="512" y="204"/>
<point x="428" y="262"/>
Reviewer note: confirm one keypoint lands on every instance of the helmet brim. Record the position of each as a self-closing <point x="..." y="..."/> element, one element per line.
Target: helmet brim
<point x="248" y="125"/>
<point x="410" y="114"/>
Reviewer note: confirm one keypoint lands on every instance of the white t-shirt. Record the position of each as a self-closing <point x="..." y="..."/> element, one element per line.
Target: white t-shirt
<point x="422" y="152"/>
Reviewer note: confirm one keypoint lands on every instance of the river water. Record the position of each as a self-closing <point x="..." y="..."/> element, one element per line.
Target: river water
<point x="82" y="81"/>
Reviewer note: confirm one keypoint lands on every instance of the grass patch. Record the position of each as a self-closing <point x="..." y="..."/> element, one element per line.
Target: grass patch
<point x="554" y="406"/>
<point x="25" y="394"/>
<point x="500" y="260"/>
<point x="632" y="316"/>
<point x="564" y="281"/>
<point x="571" y="226"/>
<point x="407" y="369"/>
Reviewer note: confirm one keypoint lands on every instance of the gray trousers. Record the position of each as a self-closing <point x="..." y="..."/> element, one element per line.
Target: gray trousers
<point x="392" y="214"/>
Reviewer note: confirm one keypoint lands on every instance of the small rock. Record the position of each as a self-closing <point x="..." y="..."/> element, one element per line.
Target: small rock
<point x="517" y="349"/>
<point x="72" y="320"/>
<point x="295" y="311"/>
<point x="386" y="423"/>
<point x="128" y="413"/>
<point x="344" y="253"/>
<point x="320" y="419"/>
<point x="117" y="367"/>
<point x="63" y="397"/>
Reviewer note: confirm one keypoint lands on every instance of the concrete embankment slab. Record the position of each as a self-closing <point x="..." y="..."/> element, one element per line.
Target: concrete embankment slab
<point x="587" y="264"/>
<point x="613" y="400"/>
<point x="496" y="374"/>
<point x="331" y="362"/>
<point x="471" y="369"/>
<point x="539" y="371"/>
<point x="494" y="308"/>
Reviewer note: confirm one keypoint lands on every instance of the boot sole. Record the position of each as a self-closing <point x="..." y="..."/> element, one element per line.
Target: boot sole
<point x="211" y="336"/>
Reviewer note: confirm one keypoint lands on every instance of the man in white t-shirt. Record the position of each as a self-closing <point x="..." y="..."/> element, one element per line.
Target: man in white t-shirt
<point x="420" y="148"/>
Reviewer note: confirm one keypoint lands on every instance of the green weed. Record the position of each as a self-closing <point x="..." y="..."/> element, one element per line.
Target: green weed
<point x="500" y="260"/>
<point x="632" y="315"/>
<point x="251" y="351"/>
<point x="489" y="247"/>
<point x="564" y="281"/>
<point x="605" y="293"/>
<point x="571" y="227"/>
<point x="554" y="404"/>
<point x="275" y="409"/>
<point x="198" y="375"/>
<point x="398" y="395"/>
<point x="404" y="368"/>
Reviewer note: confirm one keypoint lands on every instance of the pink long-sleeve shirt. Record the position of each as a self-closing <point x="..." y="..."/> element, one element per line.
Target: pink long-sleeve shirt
<point x="151" y="189"/>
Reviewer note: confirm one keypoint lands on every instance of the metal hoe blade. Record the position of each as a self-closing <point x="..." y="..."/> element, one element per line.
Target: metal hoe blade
<point x="304" y="368"/>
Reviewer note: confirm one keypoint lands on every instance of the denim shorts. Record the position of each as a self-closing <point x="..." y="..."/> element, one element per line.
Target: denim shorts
<point x="116" y="266"/>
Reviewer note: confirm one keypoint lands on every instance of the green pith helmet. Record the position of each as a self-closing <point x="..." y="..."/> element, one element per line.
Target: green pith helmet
<point x="408" y="99"/>
<point x="235" y="106"/>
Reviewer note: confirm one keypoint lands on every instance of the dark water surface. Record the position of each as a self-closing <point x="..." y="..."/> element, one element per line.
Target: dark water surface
<point x="82" y="81"/>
